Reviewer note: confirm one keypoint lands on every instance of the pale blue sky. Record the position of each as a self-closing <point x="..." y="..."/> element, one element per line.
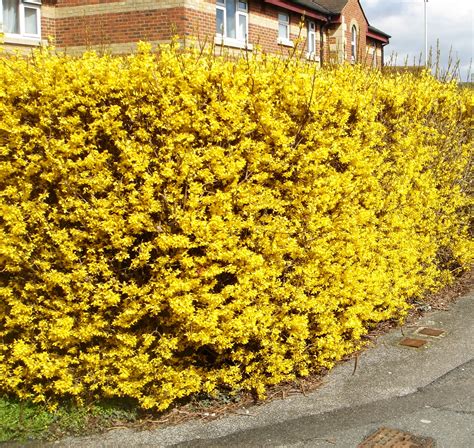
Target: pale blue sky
<point x="450" y="21"/>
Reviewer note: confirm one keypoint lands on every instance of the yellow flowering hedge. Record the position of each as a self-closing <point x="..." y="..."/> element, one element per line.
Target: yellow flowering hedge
<point x="175" y="223"/>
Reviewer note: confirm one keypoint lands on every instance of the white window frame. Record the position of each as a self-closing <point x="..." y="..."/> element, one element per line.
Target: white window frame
<point x="240" y="41"/>
<point x="354" y="44"/>
<point x="284" y="20"/>
<point x="22" y="37"/>
<point x="220" y="6"/>
<point x="312" y="38"/>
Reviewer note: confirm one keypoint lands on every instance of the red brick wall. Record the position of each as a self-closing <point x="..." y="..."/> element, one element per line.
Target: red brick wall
<point x="199" y="25"/>
<point x="263" y="25"/>
<point x="86" y="29"/>
<point x="264" y="36"/>
<point x="374" y="47"/>
<point x="48" y="27"/>
<point x="98" y="24"/>
<point x="124" y="27"/>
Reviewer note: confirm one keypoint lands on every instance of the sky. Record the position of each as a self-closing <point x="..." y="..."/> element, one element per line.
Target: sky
<point x="449" y="21"/>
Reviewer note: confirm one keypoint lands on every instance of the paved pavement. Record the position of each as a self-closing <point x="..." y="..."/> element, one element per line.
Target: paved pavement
<point x="443" y="410"/>
<point x="427" y="391"/>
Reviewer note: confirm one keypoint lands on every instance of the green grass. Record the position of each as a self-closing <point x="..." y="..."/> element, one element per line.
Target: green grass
<point x="26" y="421"/>
<point x="22" y="421"/>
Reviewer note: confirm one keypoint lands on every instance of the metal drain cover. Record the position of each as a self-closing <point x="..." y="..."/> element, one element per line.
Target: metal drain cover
<point x="394" y="438"/>
<point x="412" y="342"/>
<point x="431" y="331"/>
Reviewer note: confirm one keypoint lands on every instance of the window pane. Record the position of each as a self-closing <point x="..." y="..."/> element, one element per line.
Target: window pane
<point x="354" y="43"/>
<point x="242" y="27"/>
<point x="283" y="31"/>
<point x="230" y="16"/>
<point x="283" y="18"/>
<point x="11" y="23"/>
<point x="311" y="43"/>
<point x="31" y="21"/>
<point x="242" y="6"/>
<point x="220" y="21"/>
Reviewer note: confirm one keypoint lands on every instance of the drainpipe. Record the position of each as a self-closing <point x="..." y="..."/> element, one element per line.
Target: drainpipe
<point x="321" y="49"/>
<point x="324" y="28"/>
<point x="382" y="61"/>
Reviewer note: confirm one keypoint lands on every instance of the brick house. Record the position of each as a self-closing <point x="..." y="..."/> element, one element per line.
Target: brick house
<point x="332" y="30"/>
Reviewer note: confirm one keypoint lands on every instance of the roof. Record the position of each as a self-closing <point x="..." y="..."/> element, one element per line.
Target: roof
<point x="334" y="6"/>
<point x="313" y="5"/>
<point x="308" y="7"/>
<point x="372" y="29"/>
<point x="324" y="9"/>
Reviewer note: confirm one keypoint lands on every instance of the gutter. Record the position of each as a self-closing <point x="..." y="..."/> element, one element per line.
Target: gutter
<point x="292" y="7"/>
<point x="377" y="37"/>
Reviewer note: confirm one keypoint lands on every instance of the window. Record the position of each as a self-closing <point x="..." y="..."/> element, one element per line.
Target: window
<point x="21" y="17"/>
<point x="354" y="44"/>
<point x="311" y="40"/>
<point x="232" y="19"/>
<point x="284" y="28"/>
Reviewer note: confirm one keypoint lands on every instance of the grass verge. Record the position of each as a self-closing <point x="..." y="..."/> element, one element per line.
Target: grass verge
<point x="26" y="421"/>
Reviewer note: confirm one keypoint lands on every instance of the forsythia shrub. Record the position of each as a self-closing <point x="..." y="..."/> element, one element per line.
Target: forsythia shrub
<point x="177" y="223"/>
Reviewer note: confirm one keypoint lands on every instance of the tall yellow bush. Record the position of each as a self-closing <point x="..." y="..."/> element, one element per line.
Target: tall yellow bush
<point x="176" y="223"/>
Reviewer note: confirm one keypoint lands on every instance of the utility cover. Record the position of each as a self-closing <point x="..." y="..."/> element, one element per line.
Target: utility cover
<point x="395" y="438"/>
<point x="431" y="331"/>
<point x="412" y="342"/>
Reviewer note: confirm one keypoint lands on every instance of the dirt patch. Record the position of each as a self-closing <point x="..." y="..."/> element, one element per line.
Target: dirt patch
<point x="449" y="294"/>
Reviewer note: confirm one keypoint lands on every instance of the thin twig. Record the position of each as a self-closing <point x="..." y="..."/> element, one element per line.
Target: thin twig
<point x="117" y="427"/>
<point x="356" y="362"/>
<point x="331" y="441"/>
<point x="244" y="414"/>
<point x="302" y="388"/>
